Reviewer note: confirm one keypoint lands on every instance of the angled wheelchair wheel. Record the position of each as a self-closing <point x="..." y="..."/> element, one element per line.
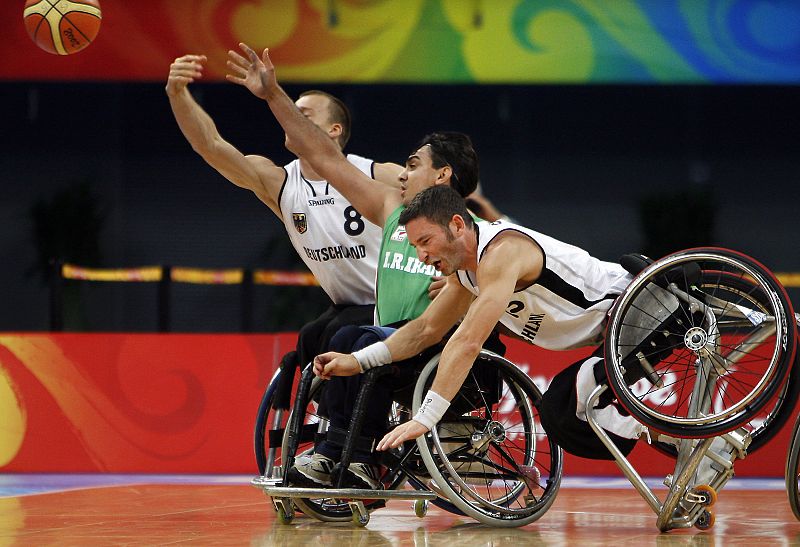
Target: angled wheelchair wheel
<point x="793" y="470"/>
<point x="267" y="419"/>
<point x="489" y="455"/>
<point x="271" y="417"/>
<point x="700" y="342"/>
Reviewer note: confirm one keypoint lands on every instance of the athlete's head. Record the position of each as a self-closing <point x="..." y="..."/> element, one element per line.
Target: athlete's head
<point x="441" y="158"/>
<point x="437" y="223"/>
<point x="327" y="112"/>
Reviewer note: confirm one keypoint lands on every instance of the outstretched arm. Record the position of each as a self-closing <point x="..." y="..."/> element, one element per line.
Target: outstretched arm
<point x="255" y="173"/>
<point x="373" y="201"/>
<point x="505" y="262"/>
<point x="410" y="339"/>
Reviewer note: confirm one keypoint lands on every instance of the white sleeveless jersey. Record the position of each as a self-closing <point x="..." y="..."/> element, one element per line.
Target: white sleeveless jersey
<point x="338" y="245"/>
<point x="566" y="307"/>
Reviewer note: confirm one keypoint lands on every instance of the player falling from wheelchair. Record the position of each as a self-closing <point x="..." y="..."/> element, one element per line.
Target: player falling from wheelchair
<point x="541" y="290"/>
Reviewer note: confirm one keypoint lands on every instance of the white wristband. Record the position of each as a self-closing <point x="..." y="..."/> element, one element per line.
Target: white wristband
<point x="374" y="355"/>
<point x="432" y="409"/>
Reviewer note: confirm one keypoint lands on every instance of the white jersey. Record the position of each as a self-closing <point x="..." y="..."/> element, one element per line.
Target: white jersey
<point x="566" y="307"/>
<point x="338" y="245"/>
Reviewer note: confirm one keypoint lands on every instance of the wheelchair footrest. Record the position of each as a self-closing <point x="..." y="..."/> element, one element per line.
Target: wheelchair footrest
<point x="341" y="493"/>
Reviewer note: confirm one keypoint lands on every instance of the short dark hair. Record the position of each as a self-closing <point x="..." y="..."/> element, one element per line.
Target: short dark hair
<point x="337" y="113"/>
<point x="438" y="204"/>
<point x="456" y="150"/>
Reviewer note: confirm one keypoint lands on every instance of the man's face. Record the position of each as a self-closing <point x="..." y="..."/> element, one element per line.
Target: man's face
<point x="436" y="245"/>
<point x="418" y="174"/>
<point x="315" y="108"/>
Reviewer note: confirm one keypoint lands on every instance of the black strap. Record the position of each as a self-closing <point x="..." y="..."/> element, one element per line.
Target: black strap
<point x="307" y="434"/>
<point x="338" y="437"/>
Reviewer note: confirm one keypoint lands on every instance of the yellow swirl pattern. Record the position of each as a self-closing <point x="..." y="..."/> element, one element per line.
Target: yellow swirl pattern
<point x="560" y="47"/>
<point x="13" y="422"/>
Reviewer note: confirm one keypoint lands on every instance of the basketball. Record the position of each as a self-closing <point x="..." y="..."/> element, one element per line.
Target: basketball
<point x="62" y="27"/>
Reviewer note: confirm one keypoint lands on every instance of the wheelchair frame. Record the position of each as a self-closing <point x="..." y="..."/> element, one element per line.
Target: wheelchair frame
<point x="481" y="442"/>
<point x="686" y="504"/>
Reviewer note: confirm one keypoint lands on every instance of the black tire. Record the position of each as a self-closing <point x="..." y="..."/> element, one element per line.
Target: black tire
<point x="260" y="435"/>
<point x="751" y="350"/>
<point x="793" y="470"/>
<point x="489" y="455"/>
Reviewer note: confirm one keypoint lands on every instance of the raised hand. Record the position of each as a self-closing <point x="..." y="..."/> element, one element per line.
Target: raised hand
<point x="254" y="73"/>
<point x="183" y="71"/>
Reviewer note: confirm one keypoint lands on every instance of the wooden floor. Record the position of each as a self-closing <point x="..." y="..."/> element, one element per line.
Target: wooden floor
<point x="239" y="514"/>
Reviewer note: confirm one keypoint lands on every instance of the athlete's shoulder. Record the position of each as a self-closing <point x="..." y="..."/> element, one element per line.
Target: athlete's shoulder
<point x="356" y="157"/>
<point x="364" y="164"/>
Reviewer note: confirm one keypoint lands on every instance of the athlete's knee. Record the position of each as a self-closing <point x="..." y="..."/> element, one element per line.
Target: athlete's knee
<point x="345" y="338"/>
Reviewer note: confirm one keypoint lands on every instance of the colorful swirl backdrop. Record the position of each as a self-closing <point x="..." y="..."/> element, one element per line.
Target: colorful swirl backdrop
<point x="435" y="41"/>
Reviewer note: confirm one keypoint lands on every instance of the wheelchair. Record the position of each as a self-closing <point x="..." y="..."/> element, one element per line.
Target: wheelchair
<point x="488" y="458"/>
<point x="700" y="346"/>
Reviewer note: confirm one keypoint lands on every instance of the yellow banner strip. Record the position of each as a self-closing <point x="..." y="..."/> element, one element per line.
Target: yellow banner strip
<point x="201" y="276"/>
<point x="789" y="279"/>
<point x="147" y="273"/>
<point x="273" y="277"/>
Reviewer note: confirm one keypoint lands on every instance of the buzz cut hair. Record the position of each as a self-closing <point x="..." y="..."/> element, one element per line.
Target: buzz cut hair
<point x="337" y="113"/>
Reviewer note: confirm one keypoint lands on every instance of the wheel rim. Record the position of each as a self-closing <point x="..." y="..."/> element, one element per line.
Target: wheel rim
<point x="711" y="334"/>
<point x="515" y="459"/>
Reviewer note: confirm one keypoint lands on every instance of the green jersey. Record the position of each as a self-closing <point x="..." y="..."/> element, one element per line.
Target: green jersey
<point x="402" y="280"/>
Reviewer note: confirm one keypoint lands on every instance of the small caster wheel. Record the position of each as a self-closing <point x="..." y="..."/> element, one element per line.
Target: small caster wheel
<point x="705" y="521"/>
<point x="360" y="514"/>
<point x="421" y="508"/>
<point x="708" y="496"/>
<point x="285" y="516"/>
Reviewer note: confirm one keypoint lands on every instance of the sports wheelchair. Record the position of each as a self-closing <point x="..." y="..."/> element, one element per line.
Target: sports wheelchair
<point x="488" y="458"/>
<point x="698" y="347"/>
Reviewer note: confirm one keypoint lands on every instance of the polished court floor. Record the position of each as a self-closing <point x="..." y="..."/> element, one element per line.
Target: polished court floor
<point x="211" y="510"/>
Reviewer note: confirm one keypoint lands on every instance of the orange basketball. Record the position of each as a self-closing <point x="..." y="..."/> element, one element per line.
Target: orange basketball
<point x="62" y="27"/>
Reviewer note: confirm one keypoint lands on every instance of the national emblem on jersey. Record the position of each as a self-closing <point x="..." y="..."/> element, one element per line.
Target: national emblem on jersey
<point x="300" y="223"/>
<point x="399" y="234"/>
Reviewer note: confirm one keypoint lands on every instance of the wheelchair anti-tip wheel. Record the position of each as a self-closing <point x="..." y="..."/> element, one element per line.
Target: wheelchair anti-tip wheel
<point x="489" y="454"/>
<point x="700" y="342"/>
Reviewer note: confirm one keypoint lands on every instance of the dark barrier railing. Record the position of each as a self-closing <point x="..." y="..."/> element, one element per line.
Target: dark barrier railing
<point x="165" y="276"/>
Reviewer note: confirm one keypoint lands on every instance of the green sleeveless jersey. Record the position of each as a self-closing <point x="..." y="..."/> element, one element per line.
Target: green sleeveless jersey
<point x="402" y="280"/>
